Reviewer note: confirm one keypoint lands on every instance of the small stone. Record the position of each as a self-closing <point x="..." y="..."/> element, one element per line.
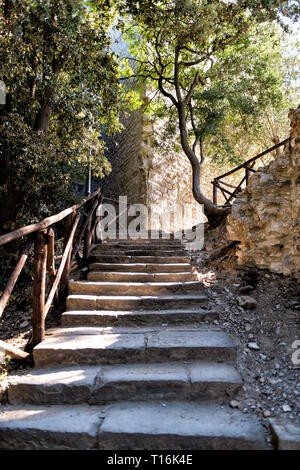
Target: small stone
<point x="253" y="346"/>
<point x="286" y="408"/>
<point x="164" y="324"/>
<point x="247" y="302"/>
<point x="24" y="324"/>
<point x="245" y="289"/>
<point x="267" y="414"/>
<point x="236" y="404"/>
<point x="263" y="357"/>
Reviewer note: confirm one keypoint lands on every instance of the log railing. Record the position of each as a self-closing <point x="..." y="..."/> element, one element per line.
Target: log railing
<point x="42" y="237"/>
<point x="230" y="191"/>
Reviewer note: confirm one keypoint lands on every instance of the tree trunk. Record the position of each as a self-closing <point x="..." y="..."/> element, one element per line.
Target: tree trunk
<point x="215" y="215"/>
<point x="42" y="120"/>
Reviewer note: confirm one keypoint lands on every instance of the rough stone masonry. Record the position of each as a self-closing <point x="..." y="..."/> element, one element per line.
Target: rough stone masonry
<point x="148" y="171"/>
<point x="265" y="217"/>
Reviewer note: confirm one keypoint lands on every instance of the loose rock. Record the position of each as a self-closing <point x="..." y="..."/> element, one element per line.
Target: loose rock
<point x="253" y="346"/>
<point x="247" y="302"/>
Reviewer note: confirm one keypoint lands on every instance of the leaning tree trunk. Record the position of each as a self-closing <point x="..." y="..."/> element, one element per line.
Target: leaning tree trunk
<point x="215" y="215"/>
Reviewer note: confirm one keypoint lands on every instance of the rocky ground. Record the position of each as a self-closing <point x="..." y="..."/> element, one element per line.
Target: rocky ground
<point x="261" y="310"/>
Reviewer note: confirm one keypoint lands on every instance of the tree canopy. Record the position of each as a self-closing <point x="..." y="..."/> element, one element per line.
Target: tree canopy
<point x="63" y="87"/>
<point x="188" y="49"/>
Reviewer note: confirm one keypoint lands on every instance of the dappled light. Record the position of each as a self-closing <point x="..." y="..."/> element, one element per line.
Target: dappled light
<point x="149" y="227"/>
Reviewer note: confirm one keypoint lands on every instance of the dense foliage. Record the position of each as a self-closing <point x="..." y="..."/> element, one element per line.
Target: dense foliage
<point x="63" y="87"/>
<point x="209" y="62"/>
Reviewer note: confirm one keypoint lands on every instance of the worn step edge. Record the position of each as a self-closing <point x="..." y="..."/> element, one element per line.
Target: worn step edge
<point x="138" y="259"/>
<point x="142" y="251"/>
<point x="87" y="345"/>
<point x="52" y="427"/>
<point x="133" y="288"/>
<point x="142" y="267"/>
<point x="125" y="302"/>
<point x="180" y="426"/>
<point x="141" y="277"/>
<point x="130" y="382"/>
<point x="135" y="317"/>
<point x="129" y="426"/>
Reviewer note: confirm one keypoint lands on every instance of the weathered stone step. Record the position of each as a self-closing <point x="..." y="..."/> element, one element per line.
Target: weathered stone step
<point x="135" y="317"/>
<point x="141" y="246"/>
<point x="141" y="277"/>
<point x="86" y="345"/>
<point x="135" y="252"/>
<point x="129" y="426"/>
<point x="56" y="427"/>
<point x="138" y="259"/>
<point x="134" y="288"/>
<point x="142" y="267"/>
<point x="135" y="302"/>
<point x="180" y="426"/>
<point x="142" y="242"/>
<point x="129" y="382"/>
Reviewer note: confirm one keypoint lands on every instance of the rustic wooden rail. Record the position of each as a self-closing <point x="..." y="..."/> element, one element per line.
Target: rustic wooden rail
<point x="42" y="237"/>
<point x="248" y="166"/>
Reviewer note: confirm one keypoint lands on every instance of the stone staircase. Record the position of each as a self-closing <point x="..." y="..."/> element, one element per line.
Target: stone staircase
<point x="134" y="364"/>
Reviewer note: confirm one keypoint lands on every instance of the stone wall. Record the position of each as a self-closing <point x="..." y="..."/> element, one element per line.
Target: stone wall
<point x="265" y="217"/>
<point x="124" y="152"/>
<point x="147" y="170"/>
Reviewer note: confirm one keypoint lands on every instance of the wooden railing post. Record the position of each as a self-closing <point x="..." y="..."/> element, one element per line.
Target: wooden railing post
<point x="247" y="175"/>
<point x="50" y="259"/>
<point x="40" y="266"/>
<point x="215" y="193"/>
<point x="97" y="220"/>
<point x="64" y="283"/>
<point x="87" y="241"/>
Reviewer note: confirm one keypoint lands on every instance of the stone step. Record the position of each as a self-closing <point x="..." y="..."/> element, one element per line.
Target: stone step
<point x="135" y="317"/>
<point x="134" y="252"/>
<point x="134" y="288"/>
<point x="135" y="302"/>
<point x="143" y="267"/>
<point x="180" y="426"/>
<point x="92" y="345"/>
<point x="142" y="242"/>
<point x="126" y="382"/>
<point x="141" y="246"/>
<point x="129" y="426"/>
<point x="141" y="277"/>
<point x="138" y="259"/>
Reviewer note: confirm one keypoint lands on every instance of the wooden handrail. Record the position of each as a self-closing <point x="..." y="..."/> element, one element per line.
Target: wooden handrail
<point x="14" y="276"/>
<point x="44" y="246"/>
<point x="248" y="167"/>
<point x="61" y="267"/>
<point x="253" y="159"/>
<point x="21" y="232"/>
<point x="114" y="200"/>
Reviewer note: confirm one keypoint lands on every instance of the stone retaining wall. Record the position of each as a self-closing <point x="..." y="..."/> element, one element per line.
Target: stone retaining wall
<point x="265" y="217"/>
<point x="148" y="171"/>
